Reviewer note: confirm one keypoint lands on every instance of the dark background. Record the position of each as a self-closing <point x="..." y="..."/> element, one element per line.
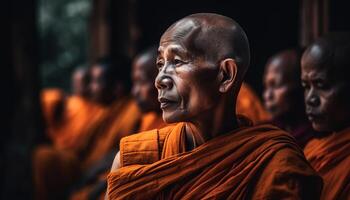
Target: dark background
<point x="271" y="26"/>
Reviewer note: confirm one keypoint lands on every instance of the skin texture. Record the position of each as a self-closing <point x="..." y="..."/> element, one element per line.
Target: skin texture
<point x="202" y="60"/>
<point x="283" y="93"/>
<point x="80" y="82"/>
<point x="143" y="73"/>
<point x="325" y="70"/>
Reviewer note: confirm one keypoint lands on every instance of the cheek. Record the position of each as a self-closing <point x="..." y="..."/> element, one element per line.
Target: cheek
<point x="281" y="95"/>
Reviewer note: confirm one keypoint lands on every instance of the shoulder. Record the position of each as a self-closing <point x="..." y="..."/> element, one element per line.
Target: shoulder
<point x="144" y="147"/>
<point x="288" y="175"/>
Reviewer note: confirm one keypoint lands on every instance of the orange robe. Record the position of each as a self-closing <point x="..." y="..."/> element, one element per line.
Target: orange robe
<point x="249" y="105"/>
<point x="330" y="156"/>
<point x="123" y="119"/>
<point x="81" y="132"/>
<point x="149" y="121"/>
<point x="81" y="119"/>
<point x="260" y="162"/>
<point x="52" y="104"/>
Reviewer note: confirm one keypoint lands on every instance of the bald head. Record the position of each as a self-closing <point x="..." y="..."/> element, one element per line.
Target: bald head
<point x="80" y="82"/>
<point x="325" y="77"/>
<point x="144" y="72"/>
<point x="283" y="94"/>
<point x="212" y="37"/>
<point x="202" y="60"/>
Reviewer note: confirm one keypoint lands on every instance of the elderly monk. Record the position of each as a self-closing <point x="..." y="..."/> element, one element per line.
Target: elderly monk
<point x="284" y="95"/>
<point x="325" y="77"/>
<point x="143" y="74"/>
<point x="209" y="153"/>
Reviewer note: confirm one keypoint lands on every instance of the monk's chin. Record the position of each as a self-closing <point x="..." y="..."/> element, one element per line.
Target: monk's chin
<point x="170" y="118"/>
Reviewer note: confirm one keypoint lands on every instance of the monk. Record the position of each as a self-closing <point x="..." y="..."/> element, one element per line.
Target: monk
<point x="209" y="152"/>
<point x="58" y="166"/>
<point x="143" y="74"/>
<point x="79" y="116"/>
<point x="325" y="70"/>
<point x="109" y="88"/>
<point x="284" y="95"/>
<point x="250" y="105"/>
<point x="80" y="82"/>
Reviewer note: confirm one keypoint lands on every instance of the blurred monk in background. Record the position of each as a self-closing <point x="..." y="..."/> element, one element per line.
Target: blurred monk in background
<point x="144" y="72"/>
<point x="325" y="77"/>
<point x="209" y="152"/>
<point x="58" y="166"/>
<point x="250" y="105"/>
<point x="284" y="95"/>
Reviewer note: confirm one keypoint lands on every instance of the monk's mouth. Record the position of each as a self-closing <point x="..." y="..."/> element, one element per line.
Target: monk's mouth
<point x="313" y="117"/>
<point x="166" y="103"/>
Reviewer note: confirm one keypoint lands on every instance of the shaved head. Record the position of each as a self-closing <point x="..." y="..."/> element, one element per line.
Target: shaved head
<point x="283" y="93"/>
<point x="325" y="77"/>
<point x="212" y="37"/>
<point x="202" y="60"/>
<point x="144" y="72"/>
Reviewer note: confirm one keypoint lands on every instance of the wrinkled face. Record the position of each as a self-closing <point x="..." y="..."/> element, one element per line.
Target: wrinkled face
<point x="143" y="88"/>
<point x="187" y="86"/>
<point x="326" y="95"/>
<point x="98" y="83"/>
<point x="278" y="91"/>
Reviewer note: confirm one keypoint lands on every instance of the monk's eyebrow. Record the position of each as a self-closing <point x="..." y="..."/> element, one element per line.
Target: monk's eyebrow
<point x="179" y="51"/>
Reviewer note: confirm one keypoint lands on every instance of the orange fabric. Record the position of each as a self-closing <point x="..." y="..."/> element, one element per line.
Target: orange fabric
<point x="330" y="156"/>
<point x="53" y="172"/>
<point x="123" y="119"/>
<point x="151" y="121"/>
<point x="249" y="105"/>
<point x="81" y="118"/>
<point x="51" y="101"/>
<point x="259" y="162"/>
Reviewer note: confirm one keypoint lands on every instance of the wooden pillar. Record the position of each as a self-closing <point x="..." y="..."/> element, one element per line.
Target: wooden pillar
<point x="314" y="20"/>
<point x="99" y="30"/>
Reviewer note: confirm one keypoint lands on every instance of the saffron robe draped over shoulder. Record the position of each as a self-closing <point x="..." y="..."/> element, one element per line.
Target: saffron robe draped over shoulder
<point x="249" y="105"/>
<point x="330" y="156"/>
<point x="260" y="162"/>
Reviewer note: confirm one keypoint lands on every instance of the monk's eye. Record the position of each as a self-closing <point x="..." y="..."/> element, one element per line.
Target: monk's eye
<point x="160" y="64"/>
<point x="304" y="85"/>
<point x="178" y="62"/>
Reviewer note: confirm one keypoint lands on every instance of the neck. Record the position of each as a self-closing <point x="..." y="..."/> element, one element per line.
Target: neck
<point x="292" y="120"/>
<point x="214" y="124"/>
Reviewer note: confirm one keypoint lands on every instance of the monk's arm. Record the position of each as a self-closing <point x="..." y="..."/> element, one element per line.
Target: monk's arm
<point x="116" y="162"/>
<point x="116" y="165"/>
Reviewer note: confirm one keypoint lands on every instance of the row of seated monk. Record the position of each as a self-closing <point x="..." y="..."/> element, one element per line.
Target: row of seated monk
<point x="192" y="128"/>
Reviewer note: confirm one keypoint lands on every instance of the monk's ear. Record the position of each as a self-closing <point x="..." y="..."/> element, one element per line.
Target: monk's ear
<point x="227" y="74"/>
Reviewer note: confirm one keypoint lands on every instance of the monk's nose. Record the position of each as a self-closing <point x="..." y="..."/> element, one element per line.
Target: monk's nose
<point x="163" y="82"/>
<point x="313" y="101"/>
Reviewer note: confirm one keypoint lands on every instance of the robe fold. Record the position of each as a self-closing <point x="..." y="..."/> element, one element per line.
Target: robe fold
<point x="81" y="119"/>
<point x="249" y="105"/>
<point x="259" y="162"/>
<point x="149" y="121"/>
<point x="330" y="156"/>
<point x="87" y="136"/>
<point x="122" y="120"/>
